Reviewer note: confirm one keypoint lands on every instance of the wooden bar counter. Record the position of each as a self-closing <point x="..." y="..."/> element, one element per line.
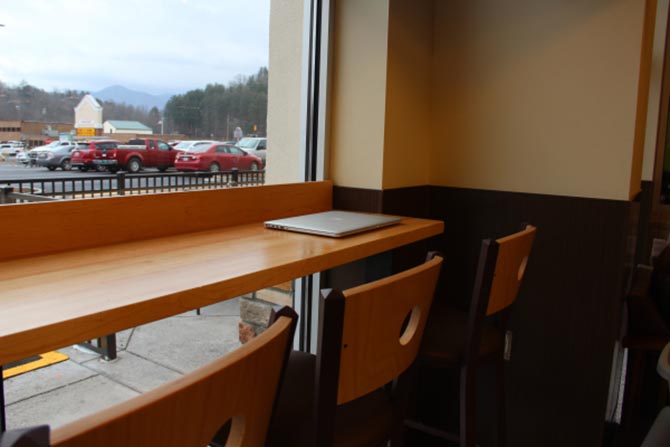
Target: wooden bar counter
<point x="81" y="269"/>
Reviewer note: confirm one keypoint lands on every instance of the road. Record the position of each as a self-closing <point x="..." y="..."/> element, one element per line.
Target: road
<point x="39" y="180"/>
<point x="75" y="184"/>
<point x="11" y="170"/>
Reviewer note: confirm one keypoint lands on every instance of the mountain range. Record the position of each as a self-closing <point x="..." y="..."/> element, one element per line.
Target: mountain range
<point x="120" y="94"/>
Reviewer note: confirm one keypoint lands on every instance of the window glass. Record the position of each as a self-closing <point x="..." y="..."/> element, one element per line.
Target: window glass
<point x="220" y="54"/>
<point x="200" y="148"/>
<point x="202" y="74"/>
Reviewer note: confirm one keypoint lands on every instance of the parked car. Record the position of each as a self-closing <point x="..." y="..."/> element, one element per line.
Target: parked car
<point x="188" y="145"/>
<point x="82" y="157"/>
<point x="10" y="148"/>
<point x="254" y="146"/>
<point x="32" y="153"/>
<point x="23" y="157"/>
<point x="57" y="156"/>
<point x="215" y="158"/>
<point x="139" y="153"/>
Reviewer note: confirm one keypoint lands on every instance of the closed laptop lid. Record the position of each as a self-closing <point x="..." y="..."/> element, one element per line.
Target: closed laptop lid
<point x="333" y="223"/>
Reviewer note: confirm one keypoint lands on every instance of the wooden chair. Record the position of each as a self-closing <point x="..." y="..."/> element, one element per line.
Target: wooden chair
<point x="459" y="340"/>
<point x="369" y="337"/>
<point x="239" y="387"/>
<point x="659" y="433"/>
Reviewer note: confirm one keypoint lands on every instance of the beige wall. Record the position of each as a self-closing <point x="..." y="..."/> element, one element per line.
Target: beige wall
<point x="381" y="126"/>
<point x="88" y="113"/>
<point x="537" y="97"/>
<point x="284" y="91"/>
<point x="408" y="141"/>
<point x="359" y="92"/>
<point x="532" y="96"/>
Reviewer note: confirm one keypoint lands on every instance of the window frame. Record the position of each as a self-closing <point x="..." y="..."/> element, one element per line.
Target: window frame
<point x="317" y="57"/>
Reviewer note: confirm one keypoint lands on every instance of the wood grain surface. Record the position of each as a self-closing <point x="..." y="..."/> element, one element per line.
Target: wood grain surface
<point x="31" y="229"/>
<point x="188" y="411"/>
<point x="55" y="300"/>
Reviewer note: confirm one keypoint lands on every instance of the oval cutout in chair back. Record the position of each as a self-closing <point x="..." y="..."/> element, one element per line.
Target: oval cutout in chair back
<point x="413" y="319"/>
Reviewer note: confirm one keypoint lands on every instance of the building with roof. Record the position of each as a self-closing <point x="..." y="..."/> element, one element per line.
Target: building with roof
<point x="88" y="117"/>
<point x="115" y="126"/>
<point x="33" y="133"/>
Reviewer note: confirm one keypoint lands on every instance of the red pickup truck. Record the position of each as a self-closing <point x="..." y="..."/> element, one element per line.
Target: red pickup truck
<point x="137" y="154"/>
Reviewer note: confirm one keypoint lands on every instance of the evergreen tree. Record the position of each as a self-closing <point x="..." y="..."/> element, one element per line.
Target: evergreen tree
<point x="213" y="112"/>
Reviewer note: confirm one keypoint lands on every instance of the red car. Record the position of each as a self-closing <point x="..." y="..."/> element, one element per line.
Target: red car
<point x="82" y="158"/>
<point x="215" y="158"/>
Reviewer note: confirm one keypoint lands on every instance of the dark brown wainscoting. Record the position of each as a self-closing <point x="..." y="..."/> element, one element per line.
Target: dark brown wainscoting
<point x="644" y="238"/>
<point x="569" y="310"/>
<point x="412" y="201"/>
<point x="568" y="313"/>
<point x="357" y="199"/>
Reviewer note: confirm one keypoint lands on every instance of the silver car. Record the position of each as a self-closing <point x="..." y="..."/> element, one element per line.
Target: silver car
<point x="56" y="155"/>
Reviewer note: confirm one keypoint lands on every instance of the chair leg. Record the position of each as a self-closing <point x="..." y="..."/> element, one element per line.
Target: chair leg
<point x="468" y="398"/>
<point x="402" y="392"/>
<point x="500" y="400"/>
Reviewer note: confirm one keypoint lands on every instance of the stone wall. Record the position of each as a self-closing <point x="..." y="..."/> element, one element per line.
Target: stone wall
<point x="257" y="309"/>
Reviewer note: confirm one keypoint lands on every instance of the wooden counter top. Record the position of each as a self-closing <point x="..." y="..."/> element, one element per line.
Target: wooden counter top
<point x="55" y="300"/>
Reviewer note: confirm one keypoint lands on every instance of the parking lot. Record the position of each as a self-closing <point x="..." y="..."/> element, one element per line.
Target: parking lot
<point x="12" y="170"/>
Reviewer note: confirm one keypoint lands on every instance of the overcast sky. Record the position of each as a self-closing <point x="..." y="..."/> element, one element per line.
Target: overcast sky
<point x="155" y="46"/>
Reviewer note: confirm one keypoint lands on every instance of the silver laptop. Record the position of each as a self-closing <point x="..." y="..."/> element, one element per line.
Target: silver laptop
<point x="333" y="223"/>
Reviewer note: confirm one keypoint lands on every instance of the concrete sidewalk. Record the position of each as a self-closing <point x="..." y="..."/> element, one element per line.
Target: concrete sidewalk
<point x="148" y="356"/>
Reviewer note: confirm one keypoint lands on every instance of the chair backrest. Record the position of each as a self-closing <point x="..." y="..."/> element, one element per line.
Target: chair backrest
<point x="370" y="335"/>
<point x="502" y="265"/>
<point x="513" y="252"/>
<point x="239" y="387"/>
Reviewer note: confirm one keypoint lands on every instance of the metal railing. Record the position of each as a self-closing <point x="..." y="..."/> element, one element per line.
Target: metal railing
<point x="122" y="183"/>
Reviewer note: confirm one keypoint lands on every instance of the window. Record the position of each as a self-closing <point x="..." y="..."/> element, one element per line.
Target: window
<point x="192" y="111"/>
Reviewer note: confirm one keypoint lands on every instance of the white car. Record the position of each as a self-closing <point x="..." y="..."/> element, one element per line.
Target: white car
<point x="23" y="157"/>
<point x="254" y="146"/>
<point x="10" y="148"/>
<point x="188" y="145"/>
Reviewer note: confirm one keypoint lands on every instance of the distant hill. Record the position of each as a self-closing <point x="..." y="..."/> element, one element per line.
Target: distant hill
<point x="120" y="94"/>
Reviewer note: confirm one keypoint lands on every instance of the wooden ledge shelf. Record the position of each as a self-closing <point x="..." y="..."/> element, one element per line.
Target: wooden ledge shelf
<point x="62" y="297"/>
